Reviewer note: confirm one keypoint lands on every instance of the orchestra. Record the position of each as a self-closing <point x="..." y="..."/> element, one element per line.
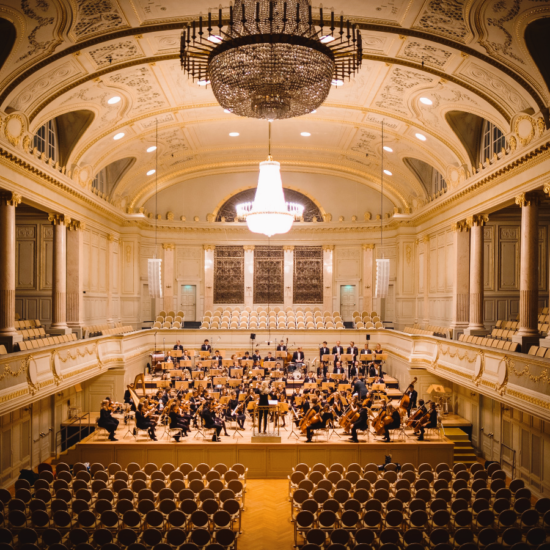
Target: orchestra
<point x="346" y="391"/>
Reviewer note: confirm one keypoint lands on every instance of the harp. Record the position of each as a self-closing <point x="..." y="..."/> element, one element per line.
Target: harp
<point x="140" y="378"/>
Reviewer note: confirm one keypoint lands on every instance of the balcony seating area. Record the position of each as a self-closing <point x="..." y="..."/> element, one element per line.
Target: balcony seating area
<point x="169" y="320"/>
<point x="46" y="341"/>
<point x="490" y="342"/>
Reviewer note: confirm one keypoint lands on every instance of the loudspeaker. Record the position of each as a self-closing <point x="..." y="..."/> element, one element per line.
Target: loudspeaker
<point x="252" y="336"/>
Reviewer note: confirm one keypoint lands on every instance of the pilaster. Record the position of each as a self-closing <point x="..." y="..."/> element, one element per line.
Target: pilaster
<point x="168" y="276"/>
<point x="209" y="277"/>
<point x="328" y="257"/>
<point x="368" y="255"/>
<point x="288" y="275"/>
<point x="248" y="275"/>
<point x="75" y="276"/>
<point x="461" y="287"/>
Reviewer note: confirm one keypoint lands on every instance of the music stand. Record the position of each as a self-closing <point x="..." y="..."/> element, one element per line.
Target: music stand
<point x="281" y="354"/>
<point x="182" y="385"/>
<point x="327" y="358"/>
<point x="206" y="364"/>
<point x="227" y="363"/>
<point x="204" y="354"/>
<point x="237" y="373"/>
<point x="292" y="432"/>
<point x="347" y="357"/>
<point x="175" y="353"/>
<point x="186" y="364"/>
<point x="257" y="372"/>
<point x="247" y="363"/>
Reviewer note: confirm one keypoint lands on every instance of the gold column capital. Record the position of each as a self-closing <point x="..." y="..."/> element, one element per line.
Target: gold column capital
<point x="75" y="225"/>
<point x="11" y="199"/>
<point x="288" y="248"/>
<point x="59" y="219"/>
<point x="327" y="247"/>
<point x="249" y="247"/>
<point x="208" y="247"/>
<point x="111" y="238"/>
<point x="528" y="199"/>
<point x="479" y="220"/>
<point x="460" y="226"/>
<point x="168" y="246"/>
<point x="425" y="239"/>
<point x="368" y="246"/>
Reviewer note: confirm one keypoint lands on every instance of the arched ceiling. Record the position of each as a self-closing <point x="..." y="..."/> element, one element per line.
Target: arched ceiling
<point x="463" y="55"/>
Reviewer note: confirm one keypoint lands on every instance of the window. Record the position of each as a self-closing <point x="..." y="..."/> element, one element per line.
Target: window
<point x="45" y="139"/>
<point x="493" y="141"/>
<point x="438" y="182"/>
<point x="100" y="181"/>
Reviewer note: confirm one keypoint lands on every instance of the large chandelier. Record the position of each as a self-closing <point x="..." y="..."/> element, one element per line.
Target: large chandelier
<point x="270" y="59"/>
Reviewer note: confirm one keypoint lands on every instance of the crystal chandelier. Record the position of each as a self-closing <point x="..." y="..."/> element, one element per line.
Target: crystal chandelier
<point x="269" y="213"/>
<point x="271" y="59"/>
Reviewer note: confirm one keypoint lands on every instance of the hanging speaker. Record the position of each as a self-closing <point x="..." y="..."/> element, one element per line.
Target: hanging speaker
<point x="154" y="268"/>
<point x="382" y="277"/>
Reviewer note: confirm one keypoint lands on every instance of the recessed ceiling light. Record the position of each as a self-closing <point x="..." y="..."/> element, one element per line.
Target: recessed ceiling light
<point x="119" y="136"/>
<point x="113" y="100"/>
<point x="203" y="82"/>
<point x="388" y="173"/>
<point x="327" y="39"/>
<point x="421" y="137"/>
<point x="151" y="172"/>
<point x="426" y="101"/>
<point x="337" y="82"/>
<point x="305" y="134"/>
<point x="234" y="134"/>
<point x="388" y="149"/>
<point x="152" y="148"/>
<point x="215" y="39"/>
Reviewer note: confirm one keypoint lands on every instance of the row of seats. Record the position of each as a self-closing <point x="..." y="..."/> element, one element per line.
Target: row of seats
<point x="503" y="334"/>
<point x="442" y="332"/>
<point x="418" y="331"/>
<point x="113" y="508"/>
<point x="167" y="325"/>
<point x="27" y="323"/>
<point x="95" y="330"/>
<point x="32" y="333"/>
<point x="48" y="341"/>
<point x="443" y="509"/>
<point x="117" y="330"/>
<point x="539" y="352"/>
<point x="489" y="342"/>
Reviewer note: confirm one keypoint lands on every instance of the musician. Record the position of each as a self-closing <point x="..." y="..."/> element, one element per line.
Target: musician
<point x="338" y="368"/>
<point x="354" y="369"/>
<point x="353" y="350"/>
<point x="424" y="411"/>
<point x="364" y="352"/>
<point x="378" y="351"/>
<point x="325" y="416"/>
<point x="178" y="346"/>
<point x="360" y="388"/>
<point x="256" y="357"/>
<point x="372" y="370"/>
<point x="263" y="402"/>
<point x="210" y="421"/>
<point x="413" y="395"/>
<point x="246" y="356"/>
<point x="281" y="346"/>
<point x="379" y="380"/>
<point x="323" y="350"/>
<point x="362" y="422"/>
<point x="394" y="424"/>
<point x="177" y="421"/>
<point x="269" y="357"/>
<point x="310" y="378"/>
<point x="206" y="346"/>
<point x="432" y="421"/>
<point x="337" y="349"/>
<point x="185" y="356"/>
<point x="107" y="421"/>
<point x="144" y="423"/>
<point x="298" y="357"/>
<point x="234" y="410"/>
<point x="217" y="358"/>
<point x="128" y="396"/>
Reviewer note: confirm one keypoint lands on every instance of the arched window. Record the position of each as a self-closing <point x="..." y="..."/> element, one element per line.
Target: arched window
<point x="438" y="182"/>
<point x="493" y="141"/>
<point x="45" y="140"/>
<point x="100" y="181"/>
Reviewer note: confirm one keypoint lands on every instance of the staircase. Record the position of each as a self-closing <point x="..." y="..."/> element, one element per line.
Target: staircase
<point x="463" y="450"/>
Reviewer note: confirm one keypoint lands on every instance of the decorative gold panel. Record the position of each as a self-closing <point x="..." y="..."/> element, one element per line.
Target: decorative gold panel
<point x="308" y="275"/>
<point x="229" y="275"/>
<point x="269" y="275"/>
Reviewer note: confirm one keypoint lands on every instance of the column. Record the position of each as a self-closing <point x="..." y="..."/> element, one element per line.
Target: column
<point x="168" y="277"/>
<point x="8" y="334"/>
<point x="368" y="253"/>
<point x="426" y="305"/>
<point x="289" y="275"/>
<point x="528" y="333"/>
<point x="75" y="276"/>
<point x="249" y="275"/>
<point x="476" y="326"/>
<point x="461" y="287"/>
<point x="328" y="254"/>
<point x="59" y="290"/>
<point x="209" y="277"/>
<point x="111" y="272"/>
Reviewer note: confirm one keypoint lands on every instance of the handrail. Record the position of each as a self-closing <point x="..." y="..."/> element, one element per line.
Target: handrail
<point x="513" y="465"/>
<point x="59" y="436"/>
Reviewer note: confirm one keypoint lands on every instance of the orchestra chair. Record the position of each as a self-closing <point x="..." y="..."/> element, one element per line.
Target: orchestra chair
<point x="437" y="432"/>
<point x="99" y="431"/>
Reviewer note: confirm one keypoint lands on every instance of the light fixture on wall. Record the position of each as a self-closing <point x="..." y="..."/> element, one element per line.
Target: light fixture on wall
<point x="382" y="264"/>
<point x="269" y="214"/>
<point x="154" y="265"/>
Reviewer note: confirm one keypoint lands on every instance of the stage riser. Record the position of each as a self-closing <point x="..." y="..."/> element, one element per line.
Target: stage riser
<point x="263" y="461"/>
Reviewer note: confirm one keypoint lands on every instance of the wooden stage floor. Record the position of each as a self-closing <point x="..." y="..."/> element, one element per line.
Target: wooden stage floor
<point x="264" y="459"/>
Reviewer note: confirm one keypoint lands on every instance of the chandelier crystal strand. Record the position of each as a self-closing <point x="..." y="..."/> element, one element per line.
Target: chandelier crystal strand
<point x="269" y="59"/>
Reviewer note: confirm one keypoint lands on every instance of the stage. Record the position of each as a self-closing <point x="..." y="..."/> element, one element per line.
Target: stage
<point x="263" y="460"/>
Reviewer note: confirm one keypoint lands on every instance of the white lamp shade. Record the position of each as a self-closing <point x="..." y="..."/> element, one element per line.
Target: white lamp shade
<point x="154" y="271"/>
<point x="382" y="277"/>
<point x="269" y="214"/>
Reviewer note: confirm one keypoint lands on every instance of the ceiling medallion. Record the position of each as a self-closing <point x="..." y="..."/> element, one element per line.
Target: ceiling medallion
<point x="269" y="59"/>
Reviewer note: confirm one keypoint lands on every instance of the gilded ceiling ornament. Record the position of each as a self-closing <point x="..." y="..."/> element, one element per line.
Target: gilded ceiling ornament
<point x="354" y="218"/>
<point x="368" y="246"/>
<point x="367" y="216"/>
<point x="288" y="248"/>
<point x="59" y="219"/>
<point x="541" y="125"/>
<point x="27" y="143"/>
<point x="460" y="226"/>
<point x="75" y="225"/>
<point x="408" y="254"/>
<point x="249" y="247"/>
<point x="341" y="219"/>
<point x="328" y="247"/>
<point x="208" y="247"/>
<point x="210" y="218"/>
<point x="479" y="220"/>
<point x="170" y="216"/>
<point x="524" y="129"/>
<point x="11" y="199"/>
<point x="14" y="127"/>
<point x="168" y="246"/>
<point x="513" y="143"/>
<point x="327" y="217"/>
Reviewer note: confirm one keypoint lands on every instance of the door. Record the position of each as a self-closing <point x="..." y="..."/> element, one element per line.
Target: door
<point x="188" y="302"/>
<point x="147" y="312"/>
<point x="41" y="430"/>
<point x="490" y="428"/>
<point x="347" y="302"/>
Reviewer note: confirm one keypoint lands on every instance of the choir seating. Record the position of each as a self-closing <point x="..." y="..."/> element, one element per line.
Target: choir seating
<point x="90" y="507"/>
<point x="169" y="320"/>
<point x="443" y="508"/>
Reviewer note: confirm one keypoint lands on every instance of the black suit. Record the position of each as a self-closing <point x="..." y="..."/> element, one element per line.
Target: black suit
<point x="353" y="351"/>
<point x="269" y="359"/>
<point x="361" y="424"/>
<point x="281" y="348"/>
<point x="298" y="357"/>
<point x="413" y="396"/>
<point x="360" y="388"/>
<point x="218" y="358"/>
<point x="108" y="422"/>
<point x="180" y="347"/>
<point x="337" y="350"/>
<point x="211" y="422"/>
<point x="206" y="347"/>
<point x="395" y="423"/>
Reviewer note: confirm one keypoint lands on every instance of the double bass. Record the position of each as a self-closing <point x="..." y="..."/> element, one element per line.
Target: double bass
<point x="405" y="401"/>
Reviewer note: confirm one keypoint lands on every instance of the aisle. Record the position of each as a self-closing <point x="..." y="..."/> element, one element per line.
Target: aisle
<point x="266" y="520"/>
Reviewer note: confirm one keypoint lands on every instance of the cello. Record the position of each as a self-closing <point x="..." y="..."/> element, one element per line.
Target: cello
<point x="311" y="417"/>
<point x="383" y="419"/>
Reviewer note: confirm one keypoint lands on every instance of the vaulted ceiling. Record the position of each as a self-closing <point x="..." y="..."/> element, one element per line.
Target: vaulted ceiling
<point x="74" y="55"/>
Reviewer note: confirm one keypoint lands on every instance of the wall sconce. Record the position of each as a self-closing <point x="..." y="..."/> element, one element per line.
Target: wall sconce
<point x="60" y="394"/>
<point x="473" y="394"/>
